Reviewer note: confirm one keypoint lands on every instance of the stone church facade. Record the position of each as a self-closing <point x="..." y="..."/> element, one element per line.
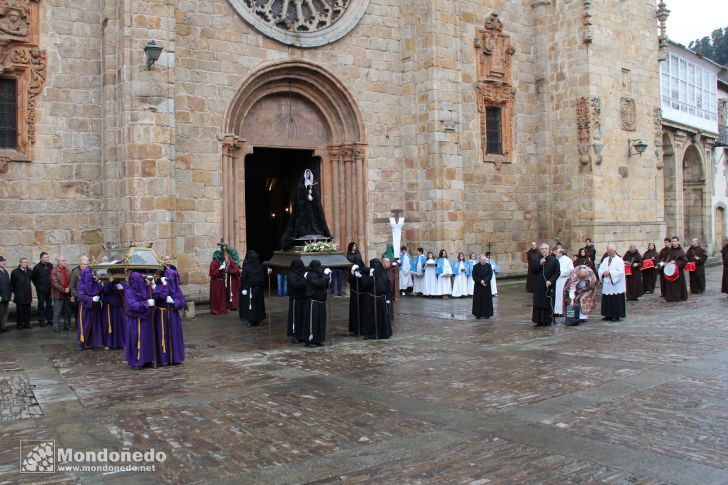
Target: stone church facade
<point x="482" y="121"/>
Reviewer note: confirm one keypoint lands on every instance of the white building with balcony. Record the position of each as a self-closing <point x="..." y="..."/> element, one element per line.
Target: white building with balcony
<point x="688" y="86"/>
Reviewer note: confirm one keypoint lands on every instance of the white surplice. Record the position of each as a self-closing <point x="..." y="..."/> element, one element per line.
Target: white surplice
<point x="614" y="284"/>
<point x="566" y="266"/>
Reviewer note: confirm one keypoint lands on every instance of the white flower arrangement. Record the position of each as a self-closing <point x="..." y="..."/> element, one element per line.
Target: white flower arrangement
<point x="320" y="247"/>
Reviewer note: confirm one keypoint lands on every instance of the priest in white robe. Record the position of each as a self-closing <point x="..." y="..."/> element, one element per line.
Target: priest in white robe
<point x="611" y="274"/>
<point x="566" y="266"/>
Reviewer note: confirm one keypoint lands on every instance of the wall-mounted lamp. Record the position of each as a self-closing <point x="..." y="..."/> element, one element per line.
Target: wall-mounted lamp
<point x="152" y="51"/>
<point x="638" y="145"/>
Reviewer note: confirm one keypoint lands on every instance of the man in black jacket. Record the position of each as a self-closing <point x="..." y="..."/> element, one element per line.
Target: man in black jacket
<point x="41" y="277"/>
<point x="22" y="292"/>
<point x="4" y="295"/>
<point x="547" y="271"/>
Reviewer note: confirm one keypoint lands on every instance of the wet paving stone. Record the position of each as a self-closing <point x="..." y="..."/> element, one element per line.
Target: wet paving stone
<point x="684" y="418"/>
<point x="494" y="383"/>
<point x="492" y="460"/>
<point x="448" y="399"/>
<point x="17" y="399"/>
<point x="355" y="358"/>
<point x="100" y="378"/>
<point x="272" y="428"/>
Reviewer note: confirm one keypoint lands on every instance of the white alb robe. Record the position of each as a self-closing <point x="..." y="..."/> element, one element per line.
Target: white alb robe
<point x="418" y="277"/>
<point x="405" y="271"/>
<point x="430" y="286"/>
<point x="493" y="286"/>
<point x="471" y="281"/>
<point x="567" y="265"/>
<point x="444" y="281"/>
<point x="615" y="283"/>
<point x="460" y="281"/>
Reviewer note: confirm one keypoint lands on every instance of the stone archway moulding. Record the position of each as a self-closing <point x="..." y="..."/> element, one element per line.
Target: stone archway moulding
<point x="343" y="157"/>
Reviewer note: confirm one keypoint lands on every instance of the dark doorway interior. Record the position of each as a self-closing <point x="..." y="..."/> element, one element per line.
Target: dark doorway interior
<point x="271" y="175"/>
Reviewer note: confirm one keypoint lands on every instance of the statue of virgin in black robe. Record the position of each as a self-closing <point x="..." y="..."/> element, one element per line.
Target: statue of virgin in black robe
<point x="307" y="219"/>
<point x="252" y="279"/>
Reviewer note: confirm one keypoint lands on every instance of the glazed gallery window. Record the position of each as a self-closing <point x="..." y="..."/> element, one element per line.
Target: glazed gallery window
<point x="494" y="127"/>
<point x="8" y="113"/>
<point x="689" y="88"/>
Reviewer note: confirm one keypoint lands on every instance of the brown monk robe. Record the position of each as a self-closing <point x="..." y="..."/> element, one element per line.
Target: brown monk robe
<point x="633" y="258"/>
<point x="724" y="284"/>
<point x="649" y="275"/>
<point x="662" y="258"/>
<point x="531" y="255"/>
<point x="677" y="290"/>
<point x="698" y="255"/>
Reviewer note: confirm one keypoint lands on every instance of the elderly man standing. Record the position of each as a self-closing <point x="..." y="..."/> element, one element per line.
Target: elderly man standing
<point x="61" y="294"/>
<point x="75" y="276"/>
<point x="611" y="274"/>
<point x="566" y="265"/>
<point x="546" y="271"/>
<point x="23" y="293"/>
<point x="581" y="289"/>
<point x="698" y="255"/>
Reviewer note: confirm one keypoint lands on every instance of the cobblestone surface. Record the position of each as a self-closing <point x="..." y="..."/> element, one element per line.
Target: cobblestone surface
<point x="447" y="400"/>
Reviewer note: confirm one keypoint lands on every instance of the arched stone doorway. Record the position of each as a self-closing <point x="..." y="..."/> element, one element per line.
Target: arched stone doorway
<point x="694" y="208"/>
<point x="291" y="109"/>
<point x="720" y="227"/>
<point x="669" y="177"/>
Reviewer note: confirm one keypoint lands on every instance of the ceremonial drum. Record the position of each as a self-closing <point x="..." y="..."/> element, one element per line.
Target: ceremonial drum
<point x="647" y="264"/>
<point x="627" y="269"/>
<point x="691" y="266"/>
<point x="671" y="271"/>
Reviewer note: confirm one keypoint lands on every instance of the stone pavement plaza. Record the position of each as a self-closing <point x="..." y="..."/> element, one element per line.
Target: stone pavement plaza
<point x="448" y="400"/>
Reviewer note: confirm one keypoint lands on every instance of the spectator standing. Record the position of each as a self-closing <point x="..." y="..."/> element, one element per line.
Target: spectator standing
<point x="41" y="278"/>
<point x="75" y="276"/>
<point x="61" y="294"/>
<point x="22" y="293"/>
<point x="5" y="292"/>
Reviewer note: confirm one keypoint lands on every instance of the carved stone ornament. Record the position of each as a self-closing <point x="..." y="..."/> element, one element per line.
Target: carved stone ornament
<point x="589" y="129"/>
<point x="302" y="23"/>
<point x="628" y="114"/>
<point x="494" y="56"/>
<point x="494" y="51"/>
<point x="657" y="115"/>
<point x="20" y="57"/>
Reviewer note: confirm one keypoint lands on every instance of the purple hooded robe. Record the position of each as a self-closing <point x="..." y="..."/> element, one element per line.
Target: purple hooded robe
<point x="88" y="329"/>
<point x="167" y="320"/>
<point x="139" y="319"/>
<point x="113" y="317"/>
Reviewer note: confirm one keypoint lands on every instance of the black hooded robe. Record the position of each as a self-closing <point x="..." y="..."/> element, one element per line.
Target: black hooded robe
<point x="355" y="291"/>
<point x="314" y="314"/>
<point x="482" y="294"/>
<point x="375" y="314"/>
<point x="543" y="296"/>
<point x="296" y="299"/>
<point x="252" y="280"/>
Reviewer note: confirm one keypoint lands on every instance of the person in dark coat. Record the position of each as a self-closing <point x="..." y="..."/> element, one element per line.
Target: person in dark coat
<point x="662" y="257"/>
<point x="296" y="299"/>
<point x="22" y="293"/>
<point x="482" y="294"/>
<point x="582" y="258"/>
<point x="547" y="271"/>
<point x="377" y="286"/>
<point x="698" y="255"/>
<point x="5" y="292"/>
<point x="633" y="258"/>
<point x="314" y="316"/>
<point x="591" y="251"/>
<point x="724" y="281"/>
<point x="252" y="280"/>
<point x="41" y="278"/>
<point x="649" y="275"/>
<point x="532" y="254"/>
<point x="355" y="294"/>
<point x="677" y="290"/>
